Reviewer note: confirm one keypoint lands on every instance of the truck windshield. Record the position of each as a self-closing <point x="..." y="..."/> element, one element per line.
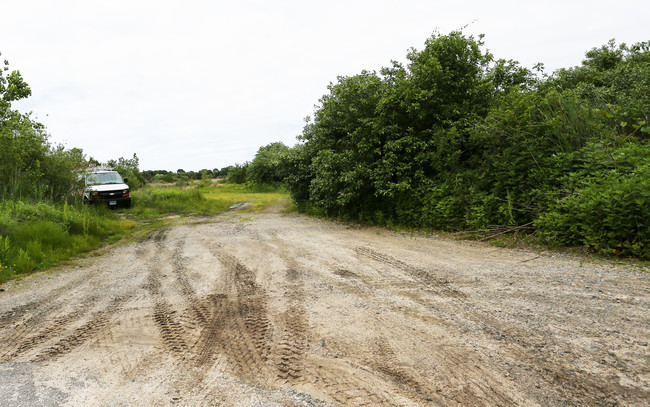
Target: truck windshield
<point x="101" y="178"/>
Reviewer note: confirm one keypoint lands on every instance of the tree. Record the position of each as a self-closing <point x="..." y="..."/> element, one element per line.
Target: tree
<point x="378" y="140"/>
<point x="12" y="88"/>
<point x="129" y="168"/>
<point x="269" y="164"/>
<point x="237" y="173"/>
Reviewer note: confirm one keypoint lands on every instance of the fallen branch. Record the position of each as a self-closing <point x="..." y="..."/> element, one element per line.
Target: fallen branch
<point x="510" y="229"/>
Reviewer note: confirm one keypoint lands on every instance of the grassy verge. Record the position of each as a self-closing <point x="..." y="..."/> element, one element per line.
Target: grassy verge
<point x="36" y="236"/>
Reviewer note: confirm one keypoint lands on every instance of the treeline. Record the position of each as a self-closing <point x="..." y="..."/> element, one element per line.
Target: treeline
<point x="182" y="177"/>
<point x="29" y="165"/>
<point x="458" y="140"/>
<point x="33" y="169"/>
<point x="42" y="221"/>
<point x="270" y="166"/>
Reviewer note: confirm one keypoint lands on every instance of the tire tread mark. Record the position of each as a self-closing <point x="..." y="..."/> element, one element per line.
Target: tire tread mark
<point x="211" y="339"/>
<point x="171" y="331"/>
<point x="349" y="390"/>
<point x="439" y="285"/>
<point x="292" y="347"/>
<point x="386" y="362"/>
<point x="57" y="326"/>
<point x="99" y="321"/>
<point x="35" y="311"/>
<point x="247" y="329"/>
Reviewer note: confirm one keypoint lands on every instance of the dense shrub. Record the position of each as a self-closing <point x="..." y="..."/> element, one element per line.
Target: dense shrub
<point x="457" y="140"/>
<point x="237" y="174"/>
<point x="606" y="209"/>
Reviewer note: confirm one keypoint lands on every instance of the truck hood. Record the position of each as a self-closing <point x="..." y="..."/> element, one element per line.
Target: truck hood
<point x="107" y="187"/>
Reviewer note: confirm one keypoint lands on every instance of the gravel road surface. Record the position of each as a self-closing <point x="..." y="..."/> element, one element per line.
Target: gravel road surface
<point x="283" y="310"/>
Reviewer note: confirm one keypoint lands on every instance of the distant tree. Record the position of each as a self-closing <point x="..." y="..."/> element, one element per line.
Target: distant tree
<point x="237" y="173"/>
<point x="223" y="172"/>
<point x="129" y="168"/>
<point x="269" y="164"/>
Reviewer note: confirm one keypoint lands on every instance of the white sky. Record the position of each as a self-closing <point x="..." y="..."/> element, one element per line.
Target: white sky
<point x="198" y="84"/>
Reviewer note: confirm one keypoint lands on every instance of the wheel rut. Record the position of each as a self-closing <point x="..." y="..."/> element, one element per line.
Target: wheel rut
<point x="293" y="343"/>
<point x="85" y="332"/>
<point x="247" y="329"/>
<point x="428" y="278"/>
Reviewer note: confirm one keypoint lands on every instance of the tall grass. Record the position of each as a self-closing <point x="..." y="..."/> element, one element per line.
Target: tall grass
<point x="260" y="196"/>
<point x="34" y="236"/>
<point x="159" y="201"/>
<point x="206" y="200"/>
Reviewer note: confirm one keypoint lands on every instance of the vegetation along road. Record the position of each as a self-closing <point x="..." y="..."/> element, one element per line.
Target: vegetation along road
<point x="274" y="309"/>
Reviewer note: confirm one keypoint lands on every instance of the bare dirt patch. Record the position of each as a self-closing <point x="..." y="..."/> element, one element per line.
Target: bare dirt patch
<point x="282" y="310"/>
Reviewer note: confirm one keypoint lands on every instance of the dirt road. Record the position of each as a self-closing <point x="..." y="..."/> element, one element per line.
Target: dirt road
<point x="282" y="310"/>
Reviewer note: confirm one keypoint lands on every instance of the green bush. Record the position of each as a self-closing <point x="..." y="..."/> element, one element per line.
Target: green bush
<point x="456" y="140"/>
<point x="610" y="215"/>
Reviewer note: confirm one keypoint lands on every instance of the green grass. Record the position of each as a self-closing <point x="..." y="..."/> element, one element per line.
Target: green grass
<point x="152" y="202"/>
<point x="36" y="236"/>
<point x="259" y="197"/>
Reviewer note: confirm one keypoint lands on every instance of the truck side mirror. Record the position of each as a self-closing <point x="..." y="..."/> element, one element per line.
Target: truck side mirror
<point x="126" y="180"/>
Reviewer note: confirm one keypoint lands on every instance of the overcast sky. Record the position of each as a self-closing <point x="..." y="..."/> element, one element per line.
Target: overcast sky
<point x="196" y="84"/>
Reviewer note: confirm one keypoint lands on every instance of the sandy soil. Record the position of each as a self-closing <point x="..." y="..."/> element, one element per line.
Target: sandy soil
<point x="283" y="310"/>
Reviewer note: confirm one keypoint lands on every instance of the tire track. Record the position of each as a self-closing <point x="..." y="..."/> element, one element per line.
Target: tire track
<point x="211" y="340"/>
<point x="171" y="332"/>
<point x="458" y="376"/>
<point x="293" y="343"/>
<point x="560" y="376"/>
<point x="250" y="304"/>
<point x="203" y="315"/>
<point x="35" y="312"/>
<point x="193" y="333"/>
<point x="292" y="346"/>
<point x="247" y="329"/>
<point x="290" y="350"/>
<point x="174" y="337"/>
<point x="241" y="350"/>
<point x="99" y="321"/>
<point x="385" y="361"/>
<point x="349" y="389"/>
<point x="37" y="329"/>
<point x="21" y="342"/>
<point x="342" y="386"/>
<point x="438" y="285"/>
<point x="180" y="273"/>
<point x="338" y="382"/>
